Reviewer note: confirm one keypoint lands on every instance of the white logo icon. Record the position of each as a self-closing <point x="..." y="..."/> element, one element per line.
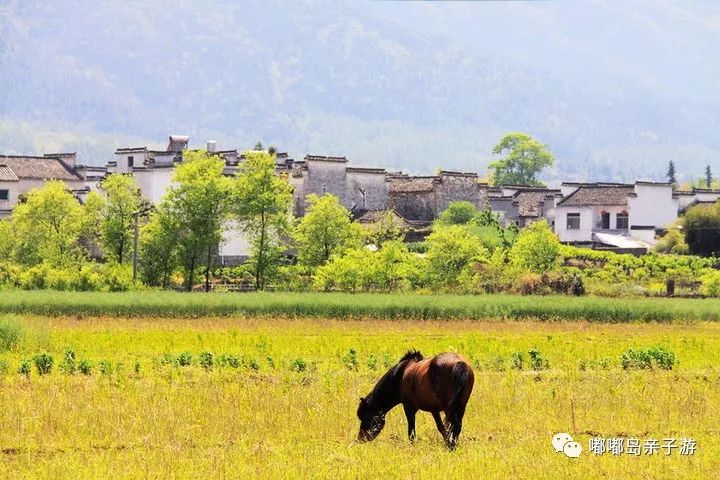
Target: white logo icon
<point x="563" y="442"/>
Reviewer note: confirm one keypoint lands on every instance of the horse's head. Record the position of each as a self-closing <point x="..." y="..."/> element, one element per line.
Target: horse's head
<point x="372" y="421"/>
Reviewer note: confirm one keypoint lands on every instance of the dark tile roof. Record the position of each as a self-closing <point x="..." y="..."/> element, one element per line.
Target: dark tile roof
<point x="405" y="184"/>
<point x="598" y="195"/>
<point x="39" y="168"/>
<point x="529" y="199"/>
<point x="320" y="158"/>
<point x="6" y="174"/>
<point x="366" y="170"/>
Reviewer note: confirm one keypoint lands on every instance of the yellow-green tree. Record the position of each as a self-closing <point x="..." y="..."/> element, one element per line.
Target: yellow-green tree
<point x="48" y="226"/>
<point x="325" y="230"/>
<point x="123" y="202"/>
<point x="262" y="207"/>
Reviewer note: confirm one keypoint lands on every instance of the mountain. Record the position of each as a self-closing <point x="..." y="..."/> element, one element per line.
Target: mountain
<point x="616" y="89"/>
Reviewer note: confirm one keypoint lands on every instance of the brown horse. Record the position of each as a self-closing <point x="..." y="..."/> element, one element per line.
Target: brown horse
<point x="439" y="384"/>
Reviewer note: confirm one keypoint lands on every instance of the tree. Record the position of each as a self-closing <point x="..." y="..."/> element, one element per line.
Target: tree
<point x="90" y="231"/>
<point x="325" y="230"/>
<point x="48" y="225"/>
<point x="387" y="227"/>
<point x="458" y="213"/>
<point x="123" y="201"/>
<point x="702" y="229"/>
<point x="258" y="146"/>
<point x="159" y="255"/>
<point x="450" y="251"/>
<point x="199" y="203"/>
<point x="708" y="177"/>
<point x="262" y="205"/>
<point x="524" y="158"/>
<point x="536" y="248"/>
<point x="671" y="173"/>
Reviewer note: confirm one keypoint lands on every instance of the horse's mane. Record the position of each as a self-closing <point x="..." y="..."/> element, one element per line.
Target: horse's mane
<point x="413" y="355"/>
<point x="388" y="385"/>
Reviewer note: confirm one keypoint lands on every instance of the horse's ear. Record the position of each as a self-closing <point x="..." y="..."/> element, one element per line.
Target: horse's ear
<point x="362" y="400"/>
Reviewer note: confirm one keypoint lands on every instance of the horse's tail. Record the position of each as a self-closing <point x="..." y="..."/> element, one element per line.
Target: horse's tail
<point x="463" y="379"/>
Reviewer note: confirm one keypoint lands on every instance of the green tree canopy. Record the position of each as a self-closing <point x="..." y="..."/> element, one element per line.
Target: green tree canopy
<point x="536" y="248"/>
<point x="458" y="213"/>
<point x="262" y="206"/>
<point x="524" y="157"/>
<point x="452" y="249"/>
<point x="123" y="201"/>
<point x="199" y="201"/>
<point x="325" y="230"/>
<point x="48" y="226"/>
<point x="702" y="229"/>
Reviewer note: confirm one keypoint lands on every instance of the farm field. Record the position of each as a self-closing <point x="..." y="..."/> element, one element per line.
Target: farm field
<point x="277" y="398"/>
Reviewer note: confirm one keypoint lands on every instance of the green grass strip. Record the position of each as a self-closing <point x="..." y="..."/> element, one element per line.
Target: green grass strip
<point x="344" y="305"/>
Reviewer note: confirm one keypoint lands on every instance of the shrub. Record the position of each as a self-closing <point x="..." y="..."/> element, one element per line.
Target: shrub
<point x="372" y="362"/>
<point x="529" y="283"/>
<point x="233" y="361"/>
<point x="105" y="367"/>
<point x="536" y="248"/>
<point x="638" y="359"/>
<point x="85" y="367"/>
<point x="271" y="362"/>
<point x="25" y="367"/>
<point x="350" y="360"/>
<point x="254" y="364"/>
<point x="11" y="332"/>
<point x="68" y="365"/>
<point x="206" y="360"/>
<point x="4" y="367"/>
<point x="43" y="363"/>
<point x="710" y="284"/>
<point x="184" y="359"/>
<point x="451" y="250"/>
<point x="536" y="360"/>
<point x="516" y="360"/>
<point x="298" y="365"/>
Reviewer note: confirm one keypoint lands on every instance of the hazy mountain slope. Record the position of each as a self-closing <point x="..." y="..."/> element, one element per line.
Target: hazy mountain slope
<point x="616" y="91"/>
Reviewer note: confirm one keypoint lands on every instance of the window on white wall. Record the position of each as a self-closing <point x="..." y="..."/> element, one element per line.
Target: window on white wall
<point x="131" y="161"/>
<point x="573" y="221"/>
<point x="622" y="220"/>
<point x="4" y="194"/>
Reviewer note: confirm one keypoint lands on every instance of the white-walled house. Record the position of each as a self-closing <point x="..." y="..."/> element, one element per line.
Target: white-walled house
<point x="21" y="173"/>
<point x="153" y="171"/>
<point x="615" y="214"/>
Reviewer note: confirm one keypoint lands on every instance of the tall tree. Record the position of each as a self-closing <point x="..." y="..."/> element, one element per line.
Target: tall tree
<point x="123" y="202"/>
<point x="262" y="206"/>
<point x="671" y="173"/>
<point x="524" y="158"/>
<point x="48" y="226"/>
<point x="159" y="253"/>
<point x="325" y="230"/>
<point x="708" y="177"/>
<point x="702" y="229"/>
<point x="199" y="202"/>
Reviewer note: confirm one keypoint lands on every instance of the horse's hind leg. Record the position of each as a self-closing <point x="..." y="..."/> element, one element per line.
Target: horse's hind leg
<point x="410" y="414"/>
<point x="453" y="425"/>
<point x="439" y="424"/>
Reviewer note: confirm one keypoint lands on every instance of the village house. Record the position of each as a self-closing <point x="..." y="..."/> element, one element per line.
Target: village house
<point x="619" y="216"/>
<point x="21" y="173"/>
<point x="523" y="205"/>
<point x="614" y="215"/>
<point x="421" y="199"/>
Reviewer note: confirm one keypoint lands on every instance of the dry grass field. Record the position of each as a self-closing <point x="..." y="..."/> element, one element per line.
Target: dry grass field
<point x="279" y="397"/>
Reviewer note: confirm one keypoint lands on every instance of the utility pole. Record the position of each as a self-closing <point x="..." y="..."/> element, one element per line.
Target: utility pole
<point x="135" y="245"/>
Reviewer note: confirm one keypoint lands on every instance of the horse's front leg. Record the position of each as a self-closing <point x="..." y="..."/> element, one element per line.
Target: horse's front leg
<point x="410" y="414"/>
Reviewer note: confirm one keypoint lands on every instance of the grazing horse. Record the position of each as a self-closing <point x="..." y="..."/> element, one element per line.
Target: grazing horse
<point x="439" y="384"/>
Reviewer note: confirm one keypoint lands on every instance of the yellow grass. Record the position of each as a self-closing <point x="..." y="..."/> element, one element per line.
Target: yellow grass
<point x="184" y="422"/>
